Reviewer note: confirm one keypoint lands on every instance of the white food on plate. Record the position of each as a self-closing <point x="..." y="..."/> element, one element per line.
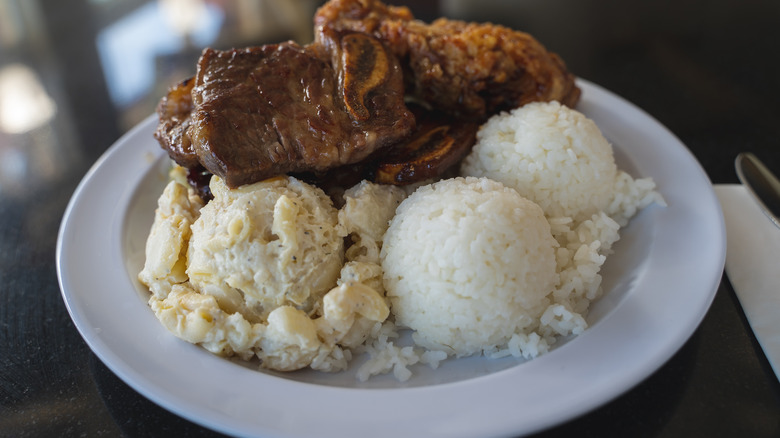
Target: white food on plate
<point x="468" y="263"/>
<point x="265" y="245"/>
<point x="260" y="270"/>
<point x="550" y="154"/>
<point x="502" y="261"/>
<point x="166" y="245"/>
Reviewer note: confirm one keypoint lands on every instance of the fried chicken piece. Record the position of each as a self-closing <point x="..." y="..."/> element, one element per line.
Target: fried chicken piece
<point x="468" y="70"/>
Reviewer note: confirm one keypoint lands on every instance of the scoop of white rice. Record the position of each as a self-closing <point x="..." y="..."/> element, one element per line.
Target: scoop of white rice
<point x="551" y="154"/>
<point x="467" y="263"/>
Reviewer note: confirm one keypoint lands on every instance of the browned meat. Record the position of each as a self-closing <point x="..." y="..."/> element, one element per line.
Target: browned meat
<point x="437" y="144"/>
<point x="335" y="108"/>
<point x="174" y="112"/>
<point x="266" y="111"/>
<point x="466" y="69"/>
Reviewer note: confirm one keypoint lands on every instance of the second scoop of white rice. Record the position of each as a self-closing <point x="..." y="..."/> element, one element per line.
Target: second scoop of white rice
<point x="549" y="153"/>
<point x="467" y="263"/>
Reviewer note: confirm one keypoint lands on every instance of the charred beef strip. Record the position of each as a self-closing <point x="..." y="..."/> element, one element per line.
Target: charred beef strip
<point x="437" y="144"/>
<point x="435" y="147"/>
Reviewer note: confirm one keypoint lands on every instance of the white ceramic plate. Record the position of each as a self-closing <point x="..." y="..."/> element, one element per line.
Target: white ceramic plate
<point x="659" y="284"/>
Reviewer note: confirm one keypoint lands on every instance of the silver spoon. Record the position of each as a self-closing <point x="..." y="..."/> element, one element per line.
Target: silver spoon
<point x="761" y="183"/>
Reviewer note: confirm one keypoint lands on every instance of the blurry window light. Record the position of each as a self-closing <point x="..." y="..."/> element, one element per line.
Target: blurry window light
<point x="10" y="26"/>
<point x="24" y="103"/>
<point x="128" y="48"/>
<point x="184" y="16"/>
<point x="21" y="25"/>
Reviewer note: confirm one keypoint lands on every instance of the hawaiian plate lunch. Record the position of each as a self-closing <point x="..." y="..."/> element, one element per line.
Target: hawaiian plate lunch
<point x="495" y="254"/>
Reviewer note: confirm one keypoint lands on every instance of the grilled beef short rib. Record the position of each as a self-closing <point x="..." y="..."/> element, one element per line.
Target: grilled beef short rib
<point x="265" y="111"/>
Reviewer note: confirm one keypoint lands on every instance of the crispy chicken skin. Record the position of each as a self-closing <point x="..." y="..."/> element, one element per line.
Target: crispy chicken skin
<point x="468" y="70"/>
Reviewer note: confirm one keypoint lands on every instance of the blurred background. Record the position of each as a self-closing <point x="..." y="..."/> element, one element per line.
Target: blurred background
<point x="76" y="74"/>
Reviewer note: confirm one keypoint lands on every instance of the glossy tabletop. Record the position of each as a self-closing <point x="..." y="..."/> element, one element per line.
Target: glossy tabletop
<point x="76" y="74"/>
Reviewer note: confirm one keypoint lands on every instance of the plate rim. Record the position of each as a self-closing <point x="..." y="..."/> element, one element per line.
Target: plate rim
<point x="494" y="419"/>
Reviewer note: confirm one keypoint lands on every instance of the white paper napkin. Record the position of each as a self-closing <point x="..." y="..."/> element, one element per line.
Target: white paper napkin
<point x="753" y="265"/>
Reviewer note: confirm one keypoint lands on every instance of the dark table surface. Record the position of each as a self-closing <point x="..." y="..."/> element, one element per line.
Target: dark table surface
<point x="71" y="82"/>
